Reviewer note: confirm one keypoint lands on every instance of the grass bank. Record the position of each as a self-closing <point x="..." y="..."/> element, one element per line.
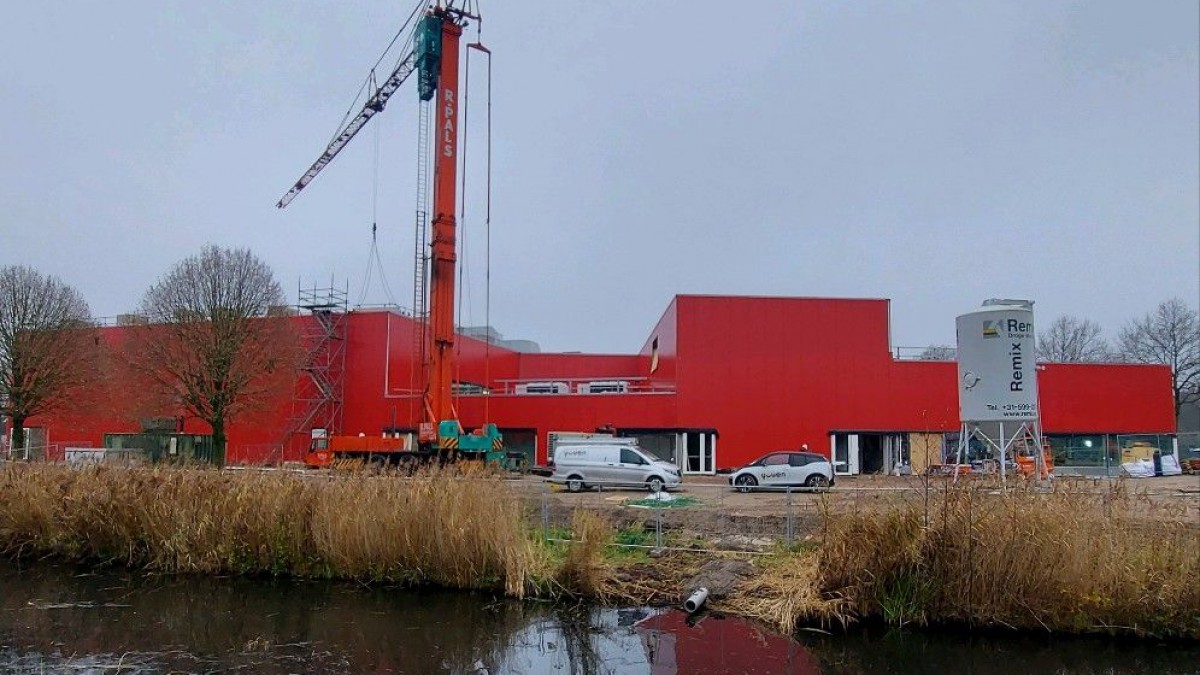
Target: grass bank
<point x="1065" y="560"/>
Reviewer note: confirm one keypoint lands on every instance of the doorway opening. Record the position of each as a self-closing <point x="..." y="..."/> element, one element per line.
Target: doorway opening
<point x="868" y="452"/>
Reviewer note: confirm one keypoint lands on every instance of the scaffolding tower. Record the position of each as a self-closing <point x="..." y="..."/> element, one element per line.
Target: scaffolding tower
<point x="319" y="393"/>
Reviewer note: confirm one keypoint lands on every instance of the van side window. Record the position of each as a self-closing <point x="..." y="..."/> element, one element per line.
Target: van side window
<point x="799" y="459"/>
<point x="630" y="457"/>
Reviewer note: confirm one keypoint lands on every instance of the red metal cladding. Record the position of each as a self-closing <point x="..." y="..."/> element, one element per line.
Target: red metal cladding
<point x="765" y="373"/>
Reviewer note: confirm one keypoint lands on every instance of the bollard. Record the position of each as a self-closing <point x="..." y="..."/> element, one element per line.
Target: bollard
<point x="546" y="513"/>
<point x="790" y="525"/>
<point x="658" y="543"/>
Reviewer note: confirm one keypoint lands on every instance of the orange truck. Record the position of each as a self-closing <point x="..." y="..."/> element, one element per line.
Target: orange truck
<point x="328" y="451"/>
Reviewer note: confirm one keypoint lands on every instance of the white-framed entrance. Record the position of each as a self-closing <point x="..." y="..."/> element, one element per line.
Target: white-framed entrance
<point x="867" y="452"/>
<point x="699" y="452"/>
<point x="694" y="451"/>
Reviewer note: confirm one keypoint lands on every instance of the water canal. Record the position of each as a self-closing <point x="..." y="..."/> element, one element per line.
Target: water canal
<point x="57" y="619"/>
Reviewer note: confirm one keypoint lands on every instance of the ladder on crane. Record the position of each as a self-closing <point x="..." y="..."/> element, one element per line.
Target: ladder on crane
<point x="421" y="238"/>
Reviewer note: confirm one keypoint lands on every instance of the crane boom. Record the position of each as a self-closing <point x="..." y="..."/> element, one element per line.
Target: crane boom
<point x="373" y="106"/>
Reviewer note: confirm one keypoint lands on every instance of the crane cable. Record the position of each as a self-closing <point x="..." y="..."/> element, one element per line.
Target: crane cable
<point x="463" y="291"/>
<point x="487" y="228"/>
<point x="487" y="340"/>
<point x="373" y="259"/>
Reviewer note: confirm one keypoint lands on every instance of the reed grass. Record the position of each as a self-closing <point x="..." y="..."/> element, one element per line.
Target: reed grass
<point x="1063" y="560"/>
<point x="581" y="572"/>
<point x="437" y="527"/>
<point x="1066" y="560"/>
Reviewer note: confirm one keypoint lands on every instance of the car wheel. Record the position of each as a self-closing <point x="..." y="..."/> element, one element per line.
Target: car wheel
<point x="745" y="482"/>
<point x="655" y="484"/>
<point x="817" y="480"/>
<point x="574" y="484"/>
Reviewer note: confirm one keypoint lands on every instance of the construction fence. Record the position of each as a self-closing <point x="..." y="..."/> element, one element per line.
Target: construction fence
<point x="717" y="518"/>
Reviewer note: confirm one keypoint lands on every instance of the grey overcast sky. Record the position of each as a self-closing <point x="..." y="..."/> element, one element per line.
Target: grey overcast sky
<point x="933" y="153"/>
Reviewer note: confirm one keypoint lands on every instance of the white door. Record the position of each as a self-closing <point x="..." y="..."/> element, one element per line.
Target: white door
<point x="839" y="454"/>
<point x="845" y="453"/>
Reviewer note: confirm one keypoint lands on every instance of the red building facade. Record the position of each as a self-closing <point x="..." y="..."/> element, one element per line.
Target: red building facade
<point x="719" y="381"/>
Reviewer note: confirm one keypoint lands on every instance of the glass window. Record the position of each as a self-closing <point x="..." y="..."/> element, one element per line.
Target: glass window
<point x="630" y="457"/>
<point x="777" y="459"/>
<point x="1077" y="449"/>
<point x="799" y="459"/>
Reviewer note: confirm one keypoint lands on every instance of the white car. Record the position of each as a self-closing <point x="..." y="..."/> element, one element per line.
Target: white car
<point x="784" y="469"/>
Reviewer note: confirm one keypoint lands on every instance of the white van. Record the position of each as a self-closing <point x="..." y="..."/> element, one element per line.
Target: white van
<point x="611" y="465"/>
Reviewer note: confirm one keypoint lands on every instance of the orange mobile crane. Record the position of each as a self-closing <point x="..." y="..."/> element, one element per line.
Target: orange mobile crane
<point x="434" y="56"/>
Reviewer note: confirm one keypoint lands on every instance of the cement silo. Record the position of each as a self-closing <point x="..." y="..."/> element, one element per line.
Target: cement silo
<point x="997" y="389"/>
<point x="997" y="377"/>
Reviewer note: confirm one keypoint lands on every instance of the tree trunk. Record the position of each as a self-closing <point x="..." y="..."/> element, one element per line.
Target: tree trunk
<point x="18" y="437"/>
<point x="218" y="427"/>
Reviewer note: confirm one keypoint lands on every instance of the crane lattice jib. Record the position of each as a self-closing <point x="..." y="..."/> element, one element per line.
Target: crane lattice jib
<point x="373" y="106"/>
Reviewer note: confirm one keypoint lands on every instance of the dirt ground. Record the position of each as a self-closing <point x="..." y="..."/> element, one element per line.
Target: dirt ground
<point x="712" y="510"/>
<point x="859" y="491"/>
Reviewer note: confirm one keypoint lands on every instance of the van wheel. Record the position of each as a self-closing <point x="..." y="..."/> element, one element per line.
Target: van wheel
<point x="746" y="482"/>
<point x="574" y="484"/>
<point x="655" y="484"/>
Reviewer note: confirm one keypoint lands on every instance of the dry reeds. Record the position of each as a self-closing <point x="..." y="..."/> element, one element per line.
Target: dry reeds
<point x="784" y="593"/>
<point x="1064" y="560"/>
<point x="435" y="527"/>
<point x="580" y="572"/>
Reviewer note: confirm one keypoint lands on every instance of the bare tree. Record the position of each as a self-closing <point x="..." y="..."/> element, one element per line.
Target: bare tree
<point x="938" y="353"/>
<point x="1072" y="340"/>
<point x="47" y="345"/>
<point x="209" y="345"/>
<point x="1171" y="335"/>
